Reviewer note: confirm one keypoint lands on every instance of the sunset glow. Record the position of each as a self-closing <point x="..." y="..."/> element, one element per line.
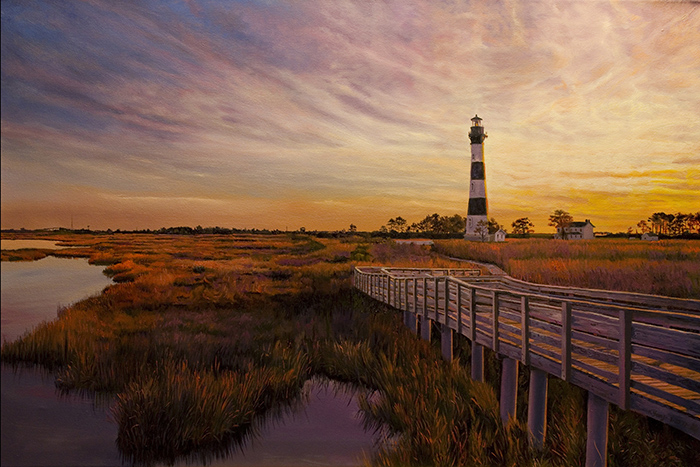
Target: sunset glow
<point x="282" y="114"/>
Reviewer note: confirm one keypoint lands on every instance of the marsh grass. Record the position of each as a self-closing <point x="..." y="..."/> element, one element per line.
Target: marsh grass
<point x="668" y="267"/>
<point x="205" y="335"/>
<point x="177" y="410"/>
<point x="24" y="254"/>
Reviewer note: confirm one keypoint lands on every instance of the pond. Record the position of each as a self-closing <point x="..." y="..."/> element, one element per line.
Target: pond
<point x="41" y="427"/>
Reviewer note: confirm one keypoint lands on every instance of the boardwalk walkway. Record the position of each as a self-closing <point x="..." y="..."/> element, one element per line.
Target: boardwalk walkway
<point x="640" y="352"/>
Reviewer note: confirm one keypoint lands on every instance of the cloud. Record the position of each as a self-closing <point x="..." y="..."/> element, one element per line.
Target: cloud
<point x="349" y="101"/>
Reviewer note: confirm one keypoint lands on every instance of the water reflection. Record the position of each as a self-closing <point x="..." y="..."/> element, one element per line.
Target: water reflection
<point x="41" y="428"/>
<point x="322" y="429"/>
<point x="32" y="291"/>
<point x="40" y="244"/>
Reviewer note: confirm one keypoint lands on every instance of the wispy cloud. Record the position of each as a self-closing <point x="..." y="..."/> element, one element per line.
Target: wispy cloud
<point x="293" y="110"/>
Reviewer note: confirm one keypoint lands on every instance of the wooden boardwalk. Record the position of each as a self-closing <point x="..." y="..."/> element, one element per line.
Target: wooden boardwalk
<point x="640" y="352"/>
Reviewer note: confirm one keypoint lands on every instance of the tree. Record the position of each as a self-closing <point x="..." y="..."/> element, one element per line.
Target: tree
<point x="694" y="222"/>
<point x="482" y="229"/>
<point x="678" y="224"/>
<point x="643" y="226"/>
<point x="494" y="226"/>
<point x="353" y="228"/>
<point x="522" y="226"/>
<point x="454" y="224"/>
<point x="397" y="225"/>
<point x="560" y="219"/>
<point x="657" y="222"/>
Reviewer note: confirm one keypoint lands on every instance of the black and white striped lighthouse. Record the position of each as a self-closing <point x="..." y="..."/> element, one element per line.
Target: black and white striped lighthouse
<point x="477" y="219"/>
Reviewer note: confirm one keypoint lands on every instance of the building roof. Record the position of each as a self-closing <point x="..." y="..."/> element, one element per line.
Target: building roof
<point x="581" y="224"/>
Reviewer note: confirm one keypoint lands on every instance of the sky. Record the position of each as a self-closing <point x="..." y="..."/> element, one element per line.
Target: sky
<point x="321" y="114"/>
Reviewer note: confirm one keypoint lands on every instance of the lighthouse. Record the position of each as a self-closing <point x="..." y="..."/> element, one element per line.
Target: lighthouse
<point x="477" y="220"/>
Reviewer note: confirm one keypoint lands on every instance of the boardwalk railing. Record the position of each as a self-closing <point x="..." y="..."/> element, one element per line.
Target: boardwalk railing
<point x="640" y="352"/>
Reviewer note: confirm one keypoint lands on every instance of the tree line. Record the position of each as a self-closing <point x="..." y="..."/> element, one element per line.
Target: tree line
<point x="435" y="224"/>
<point x="672" y="225"/>
<point x="660" y="223"/>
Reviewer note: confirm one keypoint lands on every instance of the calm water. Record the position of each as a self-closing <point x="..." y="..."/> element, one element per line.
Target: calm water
<point x="326" y="431"/>
<point x="32" y="291"/>
<point x="18" y="244"/>
<point x="42" y="428"/>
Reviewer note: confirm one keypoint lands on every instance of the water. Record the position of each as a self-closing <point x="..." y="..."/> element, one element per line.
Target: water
<point x="19" y="244"/>
<point x="326" y="431"/>
<point x="32" y="291"/>
<point x="40" y="427"/>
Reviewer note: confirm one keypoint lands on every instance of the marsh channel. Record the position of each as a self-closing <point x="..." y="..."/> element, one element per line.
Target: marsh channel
<point x="43" y="427"/>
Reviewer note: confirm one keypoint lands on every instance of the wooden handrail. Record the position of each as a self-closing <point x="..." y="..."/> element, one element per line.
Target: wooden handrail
<point x="640" y="352"/>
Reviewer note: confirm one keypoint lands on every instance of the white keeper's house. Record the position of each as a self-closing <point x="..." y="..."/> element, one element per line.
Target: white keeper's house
<point x="576" y="231"/>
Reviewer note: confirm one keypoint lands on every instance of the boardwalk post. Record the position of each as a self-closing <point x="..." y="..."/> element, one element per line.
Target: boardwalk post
<point x="509" y="389"/>
<point x="411" y="316"/>
<point x="477" y="362"/>
<point x="446" y="345"/>
<point x="537" y="407"/>
<point x="425" y="328"/>
<point x="477" y="350"/>
<point x="472" y="314"/>
<point x="404" y="299"/>
<point x="459" y="308"/>
<point x="436" y="301"/>
<point x="566" y="341"/>
<point x="494" y="309"/>
<point x="425" y="323"/>
<point x="446" y="333"/>
<point x="387" y="290"/>
<point x="447" y="300"/>
<point x="597" y="432"/>
<point x="525" y="330"/>
<point x="625" y="352"/>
